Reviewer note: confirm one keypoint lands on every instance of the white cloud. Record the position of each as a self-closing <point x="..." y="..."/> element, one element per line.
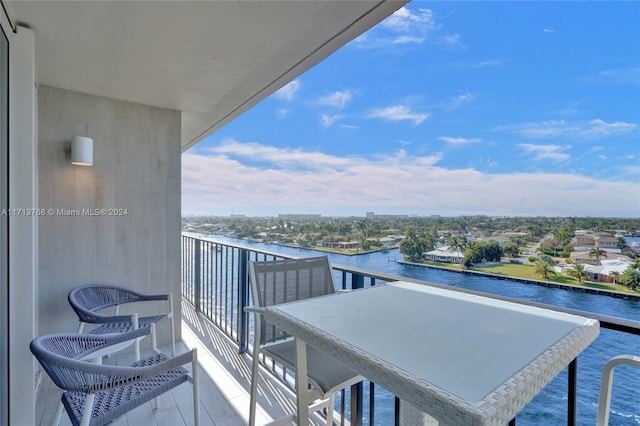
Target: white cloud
<point x="349" y="126"/>
<point x="404" y="27"/>
<point x="283" y="112"/>
<point x="329" y="120"/>
<point x="547" y="152"/>
<point x="593" y="129"/>
<point x="491" y="63"/>
<point x="625" y="75"/>
<point x="223" y="179"/>
<point x="280" y="157"/>
<point x="631" y="171"/>
<point x="461" y="99"/>
<point x="452" y="41"/>
<point x="598" y="128"/>
<point x="398" y="113"/>
<point x="544" y="129"/>
<point x="405" y="20"/>
<point x="549" y="30"/>
<point x="289" y="91"/>
<point x="338" y="99"/>
<point x="458" y="141"/>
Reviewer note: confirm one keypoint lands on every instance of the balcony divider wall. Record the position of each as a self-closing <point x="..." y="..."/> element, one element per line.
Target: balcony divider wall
<point x="115" y="222"/>
<point x="23" y="239"/>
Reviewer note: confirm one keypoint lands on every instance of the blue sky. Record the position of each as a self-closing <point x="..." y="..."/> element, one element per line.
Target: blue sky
<point x="448" y="108"/>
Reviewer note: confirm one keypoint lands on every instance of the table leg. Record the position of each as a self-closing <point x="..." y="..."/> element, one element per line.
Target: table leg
<point x="302" y="383"/>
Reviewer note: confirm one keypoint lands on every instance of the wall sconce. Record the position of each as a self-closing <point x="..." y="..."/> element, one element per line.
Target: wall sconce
<point x="82" y="151"/>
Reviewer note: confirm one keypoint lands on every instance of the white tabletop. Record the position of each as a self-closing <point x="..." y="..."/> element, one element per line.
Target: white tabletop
<point x="462" y="359"/>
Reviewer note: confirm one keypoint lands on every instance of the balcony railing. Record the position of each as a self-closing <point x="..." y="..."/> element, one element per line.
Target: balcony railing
<point x="215" y="282"/>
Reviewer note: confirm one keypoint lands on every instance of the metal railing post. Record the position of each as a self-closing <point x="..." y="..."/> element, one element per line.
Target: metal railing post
<point x="357" y="394"/>
<point x="243" y="299"/>
<point x="357" y="281"/>
<point x="396" y="411"/>
<point x="572" y="394"/>
<point x="197" y="272"/>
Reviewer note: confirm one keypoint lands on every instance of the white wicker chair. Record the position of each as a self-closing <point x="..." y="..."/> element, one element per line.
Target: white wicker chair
<point x="95" y="394"/>
<point x="604" y="403"/>
<point x="281" y="281"/>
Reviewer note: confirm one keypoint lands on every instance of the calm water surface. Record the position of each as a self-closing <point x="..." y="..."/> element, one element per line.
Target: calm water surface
<point x="549" y="407"/>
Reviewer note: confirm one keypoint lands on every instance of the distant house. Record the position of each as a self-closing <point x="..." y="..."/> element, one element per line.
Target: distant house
<point x="585" y="257"/>
<point x="341" y="244"/>
<point x="443" y="254"/>
<point x="603" y="272"/>
<point x="606" y="241"/>
<point x="390" y="241"/>
<point x="585" y="242"/>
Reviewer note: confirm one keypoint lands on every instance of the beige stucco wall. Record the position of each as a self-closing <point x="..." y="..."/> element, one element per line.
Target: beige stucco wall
<point x="137" y="171"/>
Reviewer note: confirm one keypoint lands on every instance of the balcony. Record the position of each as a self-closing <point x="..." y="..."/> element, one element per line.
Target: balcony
<point x="214" y="290"/>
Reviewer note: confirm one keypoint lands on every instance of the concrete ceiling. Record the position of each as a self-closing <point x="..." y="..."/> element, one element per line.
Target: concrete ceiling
<point x="212" y="60"/>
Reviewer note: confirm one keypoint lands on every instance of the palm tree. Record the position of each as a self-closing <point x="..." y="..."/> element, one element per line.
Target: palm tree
<point x="578" y="271"/>
<point x="558" y="237"/>
<point x="364" y="233"/>
<point x="543" y="268"/>
<point x="615" y="275"/>
<point x="457" y="243"/>
<point x="631" y="277"/>
<point x="597" y="252"/>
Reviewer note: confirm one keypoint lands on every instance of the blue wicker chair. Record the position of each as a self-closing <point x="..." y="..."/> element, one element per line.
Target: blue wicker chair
<point x="88" y="301"/>
<point x="281" y="281"/>
<point x="96" y="394"/>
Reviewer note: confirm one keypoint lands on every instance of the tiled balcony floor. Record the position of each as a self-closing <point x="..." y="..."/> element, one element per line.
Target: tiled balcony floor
<point x="225" y="378"/>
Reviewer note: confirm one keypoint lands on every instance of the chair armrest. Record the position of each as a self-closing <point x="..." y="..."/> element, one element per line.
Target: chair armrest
<point x="254" y="309"/>
<point x="106" y="377"/>
<point x="151" y="297"/>
<point x="114" y="343"/>
<point x="80" y="346"/>
<point x="82" y="376"/>
<point x="105" y="319"/>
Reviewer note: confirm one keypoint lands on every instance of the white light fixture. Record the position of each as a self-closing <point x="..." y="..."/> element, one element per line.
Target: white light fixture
<point x="82" y="151"/>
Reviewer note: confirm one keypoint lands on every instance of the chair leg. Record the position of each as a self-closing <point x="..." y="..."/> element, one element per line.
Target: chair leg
<point x="154" y="346"/>
<point x="136" y="344"/>
<point x="154" y="338"/>
<point x="173" y="337"/>
<point x="196" y="391"/>
<point x="87" y="409"/>
<point x="173" y="326"/>
<point x="254" y="386"/>
<point x="330" y="409"/>
<point x="58" y="416"/>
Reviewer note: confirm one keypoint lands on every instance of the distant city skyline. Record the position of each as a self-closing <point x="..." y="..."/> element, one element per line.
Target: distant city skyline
<point x="445" y="108"/>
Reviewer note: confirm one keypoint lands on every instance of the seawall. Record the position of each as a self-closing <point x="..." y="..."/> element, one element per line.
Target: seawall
<point x="549" y="284"/>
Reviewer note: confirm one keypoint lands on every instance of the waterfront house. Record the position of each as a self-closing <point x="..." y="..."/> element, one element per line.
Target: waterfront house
<point x="146" y="81"/>
<point x="443" y="254"/>
<point x="607" y="269"/>
<point x="585" y="256"/>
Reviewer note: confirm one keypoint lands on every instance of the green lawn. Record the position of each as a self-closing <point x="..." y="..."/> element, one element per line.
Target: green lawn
<point x="528" y="272"/>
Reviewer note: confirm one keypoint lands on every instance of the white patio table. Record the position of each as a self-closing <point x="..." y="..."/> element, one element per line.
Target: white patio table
<point x="463" y="359"/>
